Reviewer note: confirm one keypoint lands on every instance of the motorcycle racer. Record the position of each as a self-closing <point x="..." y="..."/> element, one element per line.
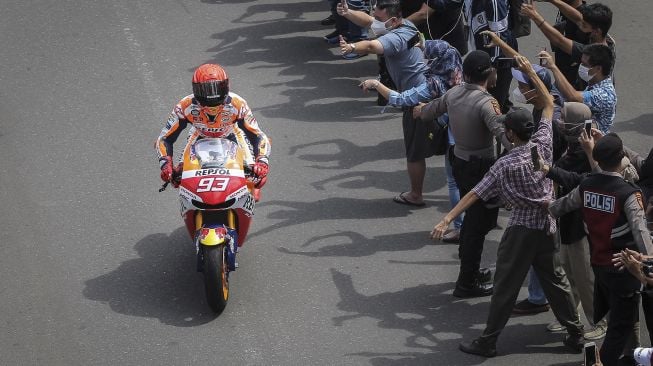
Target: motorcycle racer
<point x="213" y="111"/>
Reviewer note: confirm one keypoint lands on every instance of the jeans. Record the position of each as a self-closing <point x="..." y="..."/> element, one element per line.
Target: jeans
<point x="454" y="193"/>
<point x="535" y="292"/>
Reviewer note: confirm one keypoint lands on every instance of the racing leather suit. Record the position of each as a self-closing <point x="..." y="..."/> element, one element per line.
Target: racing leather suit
<point x="234" y="121"/>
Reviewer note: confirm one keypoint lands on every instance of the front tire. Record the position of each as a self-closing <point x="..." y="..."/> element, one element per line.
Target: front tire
<point x="216" y="281"/>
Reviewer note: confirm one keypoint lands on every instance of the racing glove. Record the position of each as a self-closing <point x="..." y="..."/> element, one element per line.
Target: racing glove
<point x="166" y="168"/>
<point x="260" y="171"/>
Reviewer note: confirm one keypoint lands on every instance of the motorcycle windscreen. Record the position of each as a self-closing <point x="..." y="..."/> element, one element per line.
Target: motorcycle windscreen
<point x="215" y="153"/>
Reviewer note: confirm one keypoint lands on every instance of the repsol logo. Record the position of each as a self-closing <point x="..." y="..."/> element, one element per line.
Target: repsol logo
<point x="599" y="202"/>
<point x="212" y="171"/>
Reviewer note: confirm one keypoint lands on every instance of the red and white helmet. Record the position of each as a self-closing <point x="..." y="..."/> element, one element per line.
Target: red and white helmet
<point x="210" y="85"/>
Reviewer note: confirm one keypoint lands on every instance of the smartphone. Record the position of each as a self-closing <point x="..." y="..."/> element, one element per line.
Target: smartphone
<point x="590" y="354"/>
<point x="504" y="62"/>
<point x="535" y="157"/>
<point x="529" y="2"/>
<point x="486" y="40"/>
<point x="542" y="62"/>
<point x="588" y="127"/>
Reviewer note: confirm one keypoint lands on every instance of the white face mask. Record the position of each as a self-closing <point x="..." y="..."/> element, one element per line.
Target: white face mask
<point x="584" y="73"/>
<point x="519" y="97"/>
<point x="378" y="27"/>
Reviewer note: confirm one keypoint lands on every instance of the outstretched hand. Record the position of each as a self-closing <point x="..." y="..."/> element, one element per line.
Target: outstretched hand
<point x="438" y="230"/>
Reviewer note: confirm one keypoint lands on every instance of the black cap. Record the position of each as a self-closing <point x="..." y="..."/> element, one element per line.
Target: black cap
<point x="520" y="120"/>
<point x="476" y="62"/>
<point x="608" y="150"/>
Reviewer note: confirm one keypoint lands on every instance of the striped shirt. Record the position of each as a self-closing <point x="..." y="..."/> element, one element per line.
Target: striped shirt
<point x="513" y="179"/>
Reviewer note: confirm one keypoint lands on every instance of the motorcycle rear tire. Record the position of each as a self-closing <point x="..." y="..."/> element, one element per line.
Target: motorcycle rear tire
<point x="216" y="282"/>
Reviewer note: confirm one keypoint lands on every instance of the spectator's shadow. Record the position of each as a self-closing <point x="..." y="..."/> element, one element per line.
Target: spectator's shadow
<point x="437" y="323"/>
<point x="389" y="181"/>
<point x="357" y="245"/>
<point x="318" y="83"/>
<point x="335" y="208"/>
<point x="162" y="283"/>
<point x="641" y="124"/>
<point x="348" y="154"/>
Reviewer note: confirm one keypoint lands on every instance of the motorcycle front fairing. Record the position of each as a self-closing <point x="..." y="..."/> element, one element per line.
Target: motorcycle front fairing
<point x="214" y="179"/>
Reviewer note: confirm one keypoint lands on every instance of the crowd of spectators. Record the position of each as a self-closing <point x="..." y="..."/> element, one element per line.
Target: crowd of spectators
<point x="578" y="199"/>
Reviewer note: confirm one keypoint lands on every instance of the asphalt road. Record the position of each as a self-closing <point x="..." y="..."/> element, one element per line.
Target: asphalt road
<point x="95" y="265"/>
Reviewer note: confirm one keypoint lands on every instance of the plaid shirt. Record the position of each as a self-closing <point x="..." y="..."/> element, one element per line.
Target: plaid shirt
<point x="513" y="179"/>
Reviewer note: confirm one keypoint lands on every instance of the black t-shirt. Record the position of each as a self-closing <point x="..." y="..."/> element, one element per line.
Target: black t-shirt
<point x="447" y="19"/>
<point x="447" y="23"/>
<point x="567" y="64"/>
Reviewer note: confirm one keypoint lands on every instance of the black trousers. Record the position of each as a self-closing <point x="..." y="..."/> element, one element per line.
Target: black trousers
<point x="479" y="220"/>
<point x="616" y="292"/>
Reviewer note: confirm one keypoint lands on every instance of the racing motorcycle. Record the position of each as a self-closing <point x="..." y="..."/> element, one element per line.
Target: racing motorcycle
<point x="217" y="205"/>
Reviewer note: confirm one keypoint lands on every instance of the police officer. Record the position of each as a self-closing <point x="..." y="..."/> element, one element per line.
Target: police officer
<point x="613" y="213"/>
<point x="474" y="122"/>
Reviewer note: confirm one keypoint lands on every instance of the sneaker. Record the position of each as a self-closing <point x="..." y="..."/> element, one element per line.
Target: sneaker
<point x="479" y="347"/>
<point x="351" y="56"/>
<point x="525" y="307"/>
<point x="477" y="289"/>
<point x="575" y="342"/>
<point x="555" y="327"/>
<point x="484" y="275"/>
<point x="451" y="236"/>
<point x="333" y="37"/>
<point x="595" y="333"/>
<point x="330" y="20"/>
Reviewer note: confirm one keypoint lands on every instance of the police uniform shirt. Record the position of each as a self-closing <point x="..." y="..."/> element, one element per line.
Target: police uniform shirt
<point x="470" y="108"/>
<point x="633" y="209"/>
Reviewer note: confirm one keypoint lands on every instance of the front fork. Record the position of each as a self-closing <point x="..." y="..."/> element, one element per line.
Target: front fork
<point x="212" y="234"/>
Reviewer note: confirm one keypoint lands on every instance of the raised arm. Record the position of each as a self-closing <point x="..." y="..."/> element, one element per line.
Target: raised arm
<point x="357" y="17"/>
<point x="525" y="66"/>
<point x="563" y="85"/>
<point x="552" y="34"/>
<point x="496" y="41"/>
<point x="568" y="11"/>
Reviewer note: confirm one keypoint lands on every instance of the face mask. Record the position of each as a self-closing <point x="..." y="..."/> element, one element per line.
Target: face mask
<point x="519" y="97"/>
<point x="378" y="27"/>
<point x="584" y="73"/>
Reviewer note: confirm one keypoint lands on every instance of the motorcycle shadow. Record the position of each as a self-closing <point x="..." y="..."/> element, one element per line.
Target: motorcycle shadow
<point x="162" y="283"/>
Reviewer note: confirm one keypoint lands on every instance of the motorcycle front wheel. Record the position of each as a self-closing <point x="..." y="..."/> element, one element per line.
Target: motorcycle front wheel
<point x="216" y="282"/>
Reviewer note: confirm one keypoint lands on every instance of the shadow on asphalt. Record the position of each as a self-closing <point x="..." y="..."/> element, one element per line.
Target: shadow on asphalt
<point x="437" y="323"/>
<point x="348" y="154"/>
<point x="312" y="70"/>
<point x="162" y="283"/>
<point x="641" y="124"/>
<point x="335" y="208"/>
<point x="357" y="245"/>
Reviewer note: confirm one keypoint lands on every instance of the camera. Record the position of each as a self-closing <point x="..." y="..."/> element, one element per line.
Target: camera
<point x="590" y="353"/>
<point x="647" y="268"/>
<point x="486" y="40"/>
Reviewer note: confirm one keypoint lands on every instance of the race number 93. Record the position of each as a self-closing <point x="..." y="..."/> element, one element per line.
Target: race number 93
<point x="212" y="184"/>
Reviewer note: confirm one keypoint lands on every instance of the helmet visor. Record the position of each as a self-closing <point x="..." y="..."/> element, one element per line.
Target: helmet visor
<point x="211" y="93"/>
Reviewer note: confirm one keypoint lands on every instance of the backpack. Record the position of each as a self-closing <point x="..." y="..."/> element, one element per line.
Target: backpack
<point x="520" y="25"/>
